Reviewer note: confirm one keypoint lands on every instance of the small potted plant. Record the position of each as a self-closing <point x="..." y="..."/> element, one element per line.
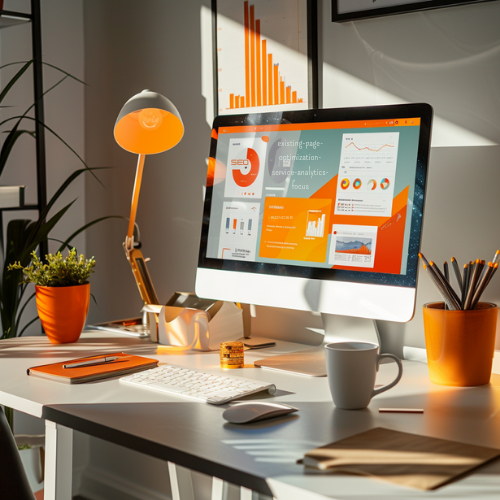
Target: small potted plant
<point x="62" y="293"/>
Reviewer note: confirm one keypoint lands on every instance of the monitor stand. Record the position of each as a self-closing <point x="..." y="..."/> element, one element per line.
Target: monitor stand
<point x="311" y="362"/>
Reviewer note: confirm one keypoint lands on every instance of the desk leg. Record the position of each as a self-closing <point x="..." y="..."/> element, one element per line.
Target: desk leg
<point x="246" y="494"/>
<point x="58" y="462"/>
<point x="181" y="482"/>
<point x="221" y="490"/>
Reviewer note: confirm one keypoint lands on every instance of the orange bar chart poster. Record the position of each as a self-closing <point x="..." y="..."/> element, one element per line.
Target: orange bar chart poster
<point x="262" y="60"/>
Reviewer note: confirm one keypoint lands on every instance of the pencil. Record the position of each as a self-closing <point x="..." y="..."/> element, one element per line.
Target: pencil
<point x="454" y="263"/>
<point x="464" y="283"/>
<point x="447" y="286"/>
<point x="441" y="289"/>
<point x="496" y="258"/>
<point x="425" y="261"/>
<point x="481" y="285"/>
<point x="495" y="267"/>
<point x="446" y="275"/>
<point x="472" y="284"/>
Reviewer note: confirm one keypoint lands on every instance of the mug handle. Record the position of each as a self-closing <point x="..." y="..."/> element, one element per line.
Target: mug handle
<point x="396" y="380"/>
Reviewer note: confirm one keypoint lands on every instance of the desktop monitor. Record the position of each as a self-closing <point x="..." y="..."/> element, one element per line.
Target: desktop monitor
<point x="317" y="210"/>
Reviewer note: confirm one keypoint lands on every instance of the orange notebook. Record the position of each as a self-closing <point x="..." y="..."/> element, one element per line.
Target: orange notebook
<point x="122" y="365"/>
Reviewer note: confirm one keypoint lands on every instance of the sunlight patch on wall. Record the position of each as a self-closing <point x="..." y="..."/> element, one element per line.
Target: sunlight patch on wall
<point x="342" y="90"/>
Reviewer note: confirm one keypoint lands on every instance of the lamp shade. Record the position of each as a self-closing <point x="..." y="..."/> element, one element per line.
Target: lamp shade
<point x="148" y="124"/>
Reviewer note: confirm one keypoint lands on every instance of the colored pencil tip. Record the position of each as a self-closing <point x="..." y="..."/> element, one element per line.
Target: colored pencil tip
<point x="495" y="265"/>
<point x="425" y="266"/>
<point x="497" y="252"/>
<point x="477" y="261"/>
<point x="453" y="259"/>
<point x="465" y="266"/>
<point x="431" y="263"/>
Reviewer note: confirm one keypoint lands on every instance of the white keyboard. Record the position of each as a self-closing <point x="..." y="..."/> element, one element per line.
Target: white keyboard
<point x="179" y="381"/>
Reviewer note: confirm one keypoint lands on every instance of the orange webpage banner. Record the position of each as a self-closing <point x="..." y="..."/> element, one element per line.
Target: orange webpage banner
<point x="395" y="122"/>
<point x="295" y="229"/>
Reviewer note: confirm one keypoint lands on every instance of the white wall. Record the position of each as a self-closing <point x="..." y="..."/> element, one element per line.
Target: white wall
<point x="449" y="58"/>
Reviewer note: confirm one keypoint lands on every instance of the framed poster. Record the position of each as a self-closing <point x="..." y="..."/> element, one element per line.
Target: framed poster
<point x="265" y="55"/>
<point x="350" y="10"/>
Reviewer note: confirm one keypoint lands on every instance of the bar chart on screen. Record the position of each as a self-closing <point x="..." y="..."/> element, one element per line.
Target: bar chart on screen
<point x="261" y="55"/>
<point x="315" y="223"/>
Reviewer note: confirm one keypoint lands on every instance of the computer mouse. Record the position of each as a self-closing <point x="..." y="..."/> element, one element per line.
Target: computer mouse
<point x="244" y="413"/>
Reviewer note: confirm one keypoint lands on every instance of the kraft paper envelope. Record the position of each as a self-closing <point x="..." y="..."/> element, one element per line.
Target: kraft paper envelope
<point x="399" y="457"/>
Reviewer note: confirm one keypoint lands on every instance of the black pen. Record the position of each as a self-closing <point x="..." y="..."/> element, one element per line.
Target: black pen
<point x="95" y="361"/>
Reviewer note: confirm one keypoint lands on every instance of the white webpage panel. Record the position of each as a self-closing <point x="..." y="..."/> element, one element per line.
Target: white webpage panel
<point x="238" y="232"/>
<point x="367" y="174"/>
<point x="353" y="246"/>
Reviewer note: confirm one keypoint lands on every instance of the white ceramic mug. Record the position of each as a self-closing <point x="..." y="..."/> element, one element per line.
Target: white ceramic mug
<point x="352" y="368"/>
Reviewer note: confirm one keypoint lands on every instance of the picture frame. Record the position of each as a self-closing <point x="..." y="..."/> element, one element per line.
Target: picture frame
<point x="351" y="10"/>
<point x="290" y="80"/>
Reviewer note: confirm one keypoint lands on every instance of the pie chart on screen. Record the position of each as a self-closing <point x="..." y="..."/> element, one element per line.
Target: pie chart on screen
<point x="372" y="184"/>
<point x="356" y="184"/>
<point x="245" y="167"/>
<point x="384" y="183"/>
<point x="344" y="184"/>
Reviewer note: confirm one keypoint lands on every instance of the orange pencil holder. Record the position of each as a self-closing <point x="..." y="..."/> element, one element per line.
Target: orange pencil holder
<point x="460" y="344"/>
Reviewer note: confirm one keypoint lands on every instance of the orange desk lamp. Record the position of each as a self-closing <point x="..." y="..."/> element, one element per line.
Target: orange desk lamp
<point x="147" y="124"/>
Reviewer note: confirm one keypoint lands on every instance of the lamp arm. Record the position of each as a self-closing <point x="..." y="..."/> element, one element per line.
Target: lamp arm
<point x="129" y="240"/>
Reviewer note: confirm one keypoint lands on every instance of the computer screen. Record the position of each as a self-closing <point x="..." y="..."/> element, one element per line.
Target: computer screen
<point x="317" y="210"/>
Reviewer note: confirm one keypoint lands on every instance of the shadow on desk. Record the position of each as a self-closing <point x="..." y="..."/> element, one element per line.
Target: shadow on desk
<point x="41" y="347"/>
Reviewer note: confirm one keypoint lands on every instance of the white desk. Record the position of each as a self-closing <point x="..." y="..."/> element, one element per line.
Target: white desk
<point x="260" y="456"/>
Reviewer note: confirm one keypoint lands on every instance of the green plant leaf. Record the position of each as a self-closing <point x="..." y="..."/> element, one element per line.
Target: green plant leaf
<point x="28" y="300"/>
<point x="40" y="230"/>
<point x="64" y="246"/>
<point x="45" y="64"/>
<point x="26" y="325"/>
<point x="66" y="73"/>
<point x="59" y="192"/>
<point x="8" y="144"/>
<point x="43" y="95"/>
<point x="58" y="271"/>
<point x="62" y="140"/>
<point x="11" y="293"/>
<point x="14" y="79"/>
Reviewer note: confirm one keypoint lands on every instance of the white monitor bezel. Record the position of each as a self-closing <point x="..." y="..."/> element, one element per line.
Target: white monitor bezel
<point x="361" y="294"/>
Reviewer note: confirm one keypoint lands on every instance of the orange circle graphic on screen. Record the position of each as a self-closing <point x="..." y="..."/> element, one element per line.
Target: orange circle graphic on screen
<point x="384" y="183"/>
<point x="344" y="184"/>
<point x="245" y="167"/>
<point x="356" y="184"/>
<point x="372" y="184"/>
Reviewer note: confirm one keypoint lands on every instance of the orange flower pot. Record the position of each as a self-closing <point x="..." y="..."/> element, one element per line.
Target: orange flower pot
<point x="460" y="344"/>
<point x="63" y="311"/>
